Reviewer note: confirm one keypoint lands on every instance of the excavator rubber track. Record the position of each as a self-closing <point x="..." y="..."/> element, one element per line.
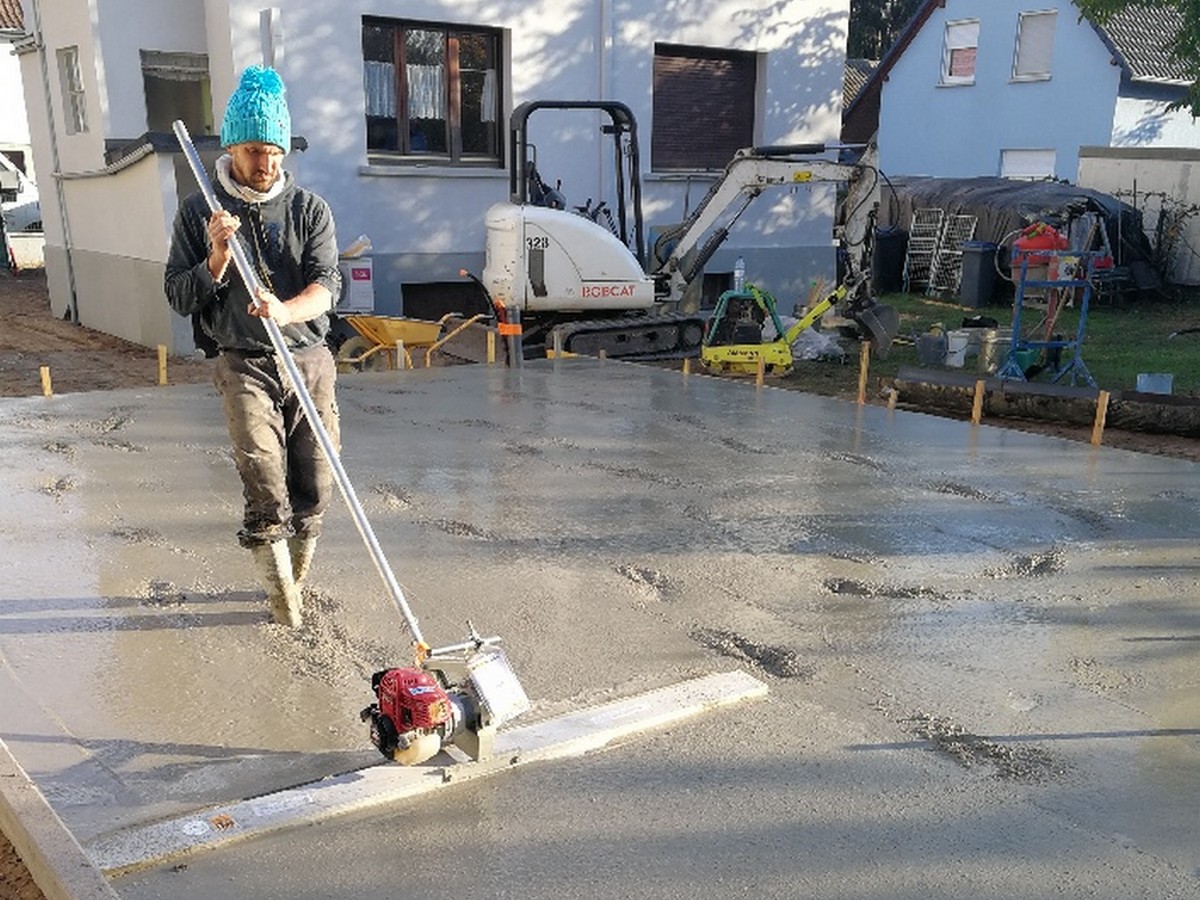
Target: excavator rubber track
<point x="673" y="336"/>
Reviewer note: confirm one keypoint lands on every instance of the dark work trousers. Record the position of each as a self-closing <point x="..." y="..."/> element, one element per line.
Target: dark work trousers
<point x="286" y="480"/>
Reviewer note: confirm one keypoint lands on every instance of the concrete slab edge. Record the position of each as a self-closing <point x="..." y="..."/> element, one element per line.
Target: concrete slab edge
<point x="58" y="864"/>
<point x="573" y="734"/>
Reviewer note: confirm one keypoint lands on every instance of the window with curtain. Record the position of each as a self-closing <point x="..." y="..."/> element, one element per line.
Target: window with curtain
<point x="432" y="91"/>
<point x="1035" y="45"/>
<point x="958" y="54"/>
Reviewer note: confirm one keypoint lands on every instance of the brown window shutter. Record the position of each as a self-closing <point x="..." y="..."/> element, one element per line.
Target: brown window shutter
<point x="703" y="106"/>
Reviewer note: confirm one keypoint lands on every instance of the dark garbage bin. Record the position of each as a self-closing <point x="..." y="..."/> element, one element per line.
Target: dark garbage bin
<point x="887" y="260"/>
<point x="978" y="273"/>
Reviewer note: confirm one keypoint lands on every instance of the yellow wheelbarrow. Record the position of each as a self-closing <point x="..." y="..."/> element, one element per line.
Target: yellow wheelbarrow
<point x="381" y="340"/>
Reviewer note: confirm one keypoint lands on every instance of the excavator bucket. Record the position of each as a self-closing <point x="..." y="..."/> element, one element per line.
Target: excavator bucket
<point x="879" y="322"/>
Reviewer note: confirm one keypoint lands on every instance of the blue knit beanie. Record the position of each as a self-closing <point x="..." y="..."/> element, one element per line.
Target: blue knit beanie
<point x="257" y="111"/>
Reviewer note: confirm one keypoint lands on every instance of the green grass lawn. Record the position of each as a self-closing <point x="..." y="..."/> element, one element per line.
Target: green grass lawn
<point x="1122" y="337"/>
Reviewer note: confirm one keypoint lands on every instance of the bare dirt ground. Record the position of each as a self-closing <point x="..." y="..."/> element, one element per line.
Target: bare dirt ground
<point x="15" y="881"/>
<point x="80" y="359"/>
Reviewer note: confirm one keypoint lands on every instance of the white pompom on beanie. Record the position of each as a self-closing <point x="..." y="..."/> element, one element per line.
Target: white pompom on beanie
<point x="257" y="111"/>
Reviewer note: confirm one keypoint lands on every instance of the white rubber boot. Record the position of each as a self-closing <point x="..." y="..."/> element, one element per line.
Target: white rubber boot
<point x="275" y="569"/>
<point x="301" y="551"/>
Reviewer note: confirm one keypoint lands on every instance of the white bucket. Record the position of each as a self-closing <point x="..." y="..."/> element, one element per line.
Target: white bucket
<point x="956" y="347"/>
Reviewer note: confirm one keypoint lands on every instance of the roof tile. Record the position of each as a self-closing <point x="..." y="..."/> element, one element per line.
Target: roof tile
<point x="858" y="72"/>
<point x="1143" y="35"/>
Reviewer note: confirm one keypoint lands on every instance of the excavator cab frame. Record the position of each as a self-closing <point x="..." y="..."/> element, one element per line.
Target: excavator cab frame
<point x="525" y="182"/>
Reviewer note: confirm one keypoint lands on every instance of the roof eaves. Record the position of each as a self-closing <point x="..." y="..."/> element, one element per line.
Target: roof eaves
<point x="894" y="52"/>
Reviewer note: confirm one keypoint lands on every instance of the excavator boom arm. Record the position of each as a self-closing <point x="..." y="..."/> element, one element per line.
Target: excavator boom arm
<point x="748" y="174"/>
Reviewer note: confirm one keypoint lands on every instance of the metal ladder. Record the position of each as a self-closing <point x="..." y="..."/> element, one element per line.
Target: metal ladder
<point x="923" y="236"/>
<point x="945" y="273"/>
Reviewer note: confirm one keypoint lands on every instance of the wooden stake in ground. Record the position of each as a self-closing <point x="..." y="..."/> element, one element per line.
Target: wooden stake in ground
<point x="46" y="388"/>
<point x="760" y="374"/>
<point x="977" y="408"/>
<point x="864" y="365"/>
<point x="1101" y="417"/>
<point x="162" y="364"/>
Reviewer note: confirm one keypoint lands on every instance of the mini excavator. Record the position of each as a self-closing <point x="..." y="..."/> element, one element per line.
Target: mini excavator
<point x="590" y="285"/>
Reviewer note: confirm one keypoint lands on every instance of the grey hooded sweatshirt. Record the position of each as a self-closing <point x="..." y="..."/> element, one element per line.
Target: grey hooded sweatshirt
<point x="290" y="241"/>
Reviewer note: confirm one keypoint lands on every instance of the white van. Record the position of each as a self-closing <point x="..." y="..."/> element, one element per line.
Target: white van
<point x="18" y="199"/>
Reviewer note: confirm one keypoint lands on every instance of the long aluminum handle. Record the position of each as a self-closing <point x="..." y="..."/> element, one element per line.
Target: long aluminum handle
<point x="242" y="262"/>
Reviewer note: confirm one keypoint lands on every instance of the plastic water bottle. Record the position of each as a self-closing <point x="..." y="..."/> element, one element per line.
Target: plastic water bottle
<point x="739" y="274"/>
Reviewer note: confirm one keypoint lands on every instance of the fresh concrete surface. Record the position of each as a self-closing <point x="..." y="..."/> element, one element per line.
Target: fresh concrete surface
<point x="979" y="643"/>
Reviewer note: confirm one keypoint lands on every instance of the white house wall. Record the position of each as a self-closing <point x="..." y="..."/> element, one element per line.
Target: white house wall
<point x="427" y="223"/>
<point x="176" y="25"/>
<point x="1151" y="178"/>
<point x="960" y="131"/>
<point x="120" y="231"/>
<point x="66" y="25"/>
<point x="1148" y="123"/>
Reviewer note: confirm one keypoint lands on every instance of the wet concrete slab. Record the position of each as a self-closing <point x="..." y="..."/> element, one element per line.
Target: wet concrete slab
<point x="979" y="643"/>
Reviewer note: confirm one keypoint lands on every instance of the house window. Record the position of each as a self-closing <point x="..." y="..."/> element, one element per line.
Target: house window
<point x="74" y="107"/>
<point x="1027" y="164"/>
<point x="1035" y="45"/>
<point x="704" y="103"/>
<point x="17" y="158"/>
<point x="958" y="56"/>
<point x="433" y="91"/>
<point x="177" y="87"/>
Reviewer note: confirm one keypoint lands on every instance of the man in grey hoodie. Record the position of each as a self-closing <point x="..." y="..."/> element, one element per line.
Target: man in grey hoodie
<point x="289" y="237"/>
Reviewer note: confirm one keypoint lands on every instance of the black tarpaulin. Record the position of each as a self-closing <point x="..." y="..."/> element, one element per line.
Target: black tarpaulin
<point x="1003" y="207"/>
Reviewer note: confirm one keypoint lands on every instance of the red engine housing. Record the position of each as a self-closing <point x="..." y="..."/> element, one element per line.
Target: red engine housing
<point x="413" y="699"/>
